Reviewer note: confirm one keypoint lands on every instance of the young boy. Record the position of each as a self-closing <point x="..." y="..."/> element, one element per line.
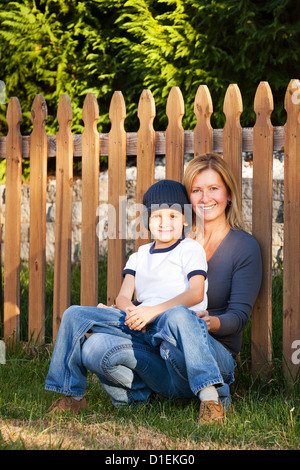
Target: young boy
<point x="169" y="271"/>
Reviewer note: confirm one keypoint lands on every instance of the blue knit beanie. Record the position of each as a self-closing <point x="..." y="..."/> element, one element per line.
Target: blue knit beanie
<point x="163" y="194"/>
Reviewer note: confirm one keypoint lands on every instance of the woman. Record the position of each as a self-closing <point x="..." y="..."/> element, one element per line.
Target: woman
<point x="181" y="353"/>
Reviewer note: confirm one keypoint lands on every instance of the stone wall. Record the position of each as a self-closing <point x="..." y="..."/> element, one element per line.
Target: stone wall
<point x="76" y="216"/>
<point x="277" y="225"/>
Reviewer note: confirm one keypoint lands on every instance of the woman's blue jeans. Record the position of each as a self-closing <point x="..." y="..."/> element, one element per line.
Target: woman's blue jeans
<point x="175" y="357"/>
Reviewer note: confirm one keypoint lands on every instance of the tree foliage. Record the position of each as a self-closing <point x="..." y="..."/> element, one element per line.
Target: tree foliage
<point x="69" y="46"/>
<point x="53" y="47"/>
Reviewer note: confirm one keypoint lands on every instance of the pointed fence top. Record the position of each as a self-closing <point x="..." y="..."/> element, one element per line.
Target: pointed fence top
<point x="64" y="111"/>
<point x="175" y="104"/>
<point x="263" y="101"/>
<point x="90" y="111"/>
<point x="117" y="109"/>
<point x="203" y="132"/>
<point x="146" y="107"/>
<point x="39" y="111"/>
<point x="233" y="104"/>
<point x="292" y="96"/>
<point x="203" y="106"/>
<point x="13" y="113"/>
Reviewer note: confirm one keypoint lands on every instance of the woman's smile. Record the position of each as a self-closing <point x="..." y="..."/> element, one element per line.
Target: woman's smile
<point x="207" y="208"/>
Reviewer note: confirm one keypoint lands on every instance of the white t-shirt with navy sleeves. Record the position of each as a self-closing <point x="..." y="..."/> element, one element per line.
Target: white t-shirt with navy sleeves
<point x="162" y="274"/>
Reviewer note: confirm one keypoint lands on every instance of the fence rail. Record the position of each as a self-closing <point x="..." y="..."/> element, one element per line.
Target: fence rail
<point x="146" y="143"/>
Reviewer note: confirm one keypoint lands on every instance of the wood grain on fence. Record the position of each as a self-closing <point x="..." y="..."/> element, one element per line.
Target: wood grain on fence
<point x="262" y="224"/>
<point x="12" y="220"/>
<point x="37" y="235"/>
<point x="175" y="135"/>
<point x="291" y="272"/>
<point x="117" y="197"/>
<point x="203" y="131"/>
<point x="145" y="159"/>
<point x="63" y="213"/>
<point x="90" y="203"/>
<point x="232" y="132"/>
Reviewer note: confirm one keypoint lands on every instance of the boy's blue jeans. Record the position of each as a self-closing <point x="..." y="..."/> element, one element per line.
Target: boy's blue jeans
<point x="175" y="357"/>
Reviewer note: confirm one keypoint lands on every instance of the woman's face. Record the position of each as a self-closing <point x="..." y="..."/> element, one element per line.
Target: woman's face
<point x="209" y="196"/>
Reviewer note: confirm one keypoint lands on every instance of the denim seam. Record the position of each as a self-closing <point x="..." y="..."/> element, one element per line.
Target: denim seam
<point x="167" y="338"/>
<point x="173" y="362"/>
<point x="174" y="342"/>
<point x="53" y="388"/>
<point x="207" y="384"/>
<point x="228" y="378"/>
<point x="84" y="328"/>
<point x="106" y="370"/>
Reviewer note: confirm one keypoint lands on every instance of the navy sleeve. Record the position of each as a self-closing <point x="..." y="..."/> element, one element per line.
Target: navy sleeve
<point x="130" y="267"/>
<point x="128" y="271"/>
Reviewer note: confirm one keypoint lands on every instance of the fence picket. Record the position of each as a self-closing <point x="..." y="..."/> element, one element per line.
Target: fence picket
<point x="145" y="157"/>
<point x="262" y="223"/>
<point x="90" y="202"/>
<point x="116" y="197"/>
<point x="37" y="236"/>
<point x="12" y="220"/>
<point x="175" y="135"/>
<point x="63" y="213"/>
<point x="233" y="133"/>
<point x="203" y="132"/>
<point x="291" y="247"/>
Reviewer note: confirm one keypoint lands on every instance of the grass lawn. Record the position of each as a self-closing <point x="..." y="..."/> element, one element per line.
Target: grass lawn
<point x="265" y="415"/>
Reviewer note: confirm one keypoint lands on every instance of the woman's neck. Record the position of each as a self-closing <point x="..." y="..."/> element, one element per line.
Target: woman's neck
<point x="214" y="234"/>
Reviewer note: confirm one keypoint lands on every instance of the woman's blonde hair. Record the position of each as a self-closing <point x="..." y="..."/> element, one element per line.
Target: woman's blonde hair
<point x="214" y="162"/>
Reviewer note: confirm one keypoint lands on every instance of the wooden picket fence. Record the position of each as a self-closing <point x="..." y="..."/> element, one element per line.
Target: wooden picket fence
<point x="174" y="142"/>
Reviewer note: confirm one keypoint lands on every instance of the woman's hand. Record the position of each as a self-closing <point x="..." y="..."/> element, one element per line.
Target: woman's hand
<point x="212" y="323"/>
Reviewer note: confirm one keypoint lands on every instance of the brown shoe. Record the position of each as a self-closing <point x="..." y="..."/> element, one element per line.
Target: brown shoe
<point x="210" y="412"/>
<point x="67" y="403"/>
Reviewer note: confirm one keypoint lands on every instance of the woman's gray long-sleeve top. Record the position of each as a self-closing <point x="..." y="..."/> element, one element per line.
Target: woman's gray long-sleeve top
<point x="234" y="279"/>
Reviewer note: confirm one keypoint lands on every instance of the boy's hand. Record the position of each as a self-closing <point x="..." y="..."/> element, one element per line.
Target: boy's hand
<point x="138" y="317"/>
<point x="102" y="305"/>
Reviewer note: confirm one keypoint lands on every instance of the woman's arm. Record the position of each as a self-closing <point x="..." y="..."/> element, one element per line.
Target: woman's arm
<point x="234" y="277"/>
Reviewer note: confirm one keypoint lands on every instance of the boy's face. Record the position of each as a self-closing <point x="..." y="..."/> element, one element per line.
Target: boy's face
<point x="166" y="226"/>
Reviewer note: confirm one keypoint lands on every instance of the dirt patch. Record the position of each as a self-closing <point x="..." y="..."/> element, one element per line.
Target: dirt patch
<point x="73" y="435"/>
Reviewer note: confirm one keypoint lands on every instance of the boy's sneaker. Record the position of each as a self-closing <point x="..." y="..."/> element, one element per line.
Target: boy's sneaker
<point x="210" y="411"/>
<point x="67" y="403"/>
